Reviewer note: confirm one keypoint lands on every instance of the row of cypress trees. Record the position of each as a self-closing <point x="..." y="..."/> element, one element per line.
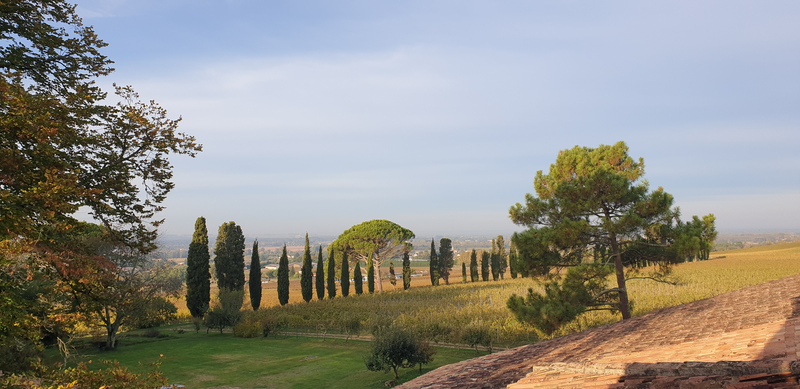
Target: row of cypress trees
<point x="229" y="272"/>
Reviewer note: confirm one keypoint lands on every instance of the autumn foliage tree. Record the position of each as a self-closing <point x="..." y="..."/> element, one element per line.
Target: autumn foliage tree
<point x="66" y="144"/>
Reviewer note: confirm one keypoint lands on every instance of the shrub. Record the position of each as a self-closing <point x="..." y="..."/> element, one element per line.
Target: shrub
<point x="249" y="329"/>
<point x="475" y="335"/>
<point x="393" y="348"/>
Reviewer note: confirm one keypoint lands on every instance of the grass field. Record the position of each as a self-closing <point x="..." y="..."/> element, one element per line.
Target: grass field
<point x="200" y="360"/>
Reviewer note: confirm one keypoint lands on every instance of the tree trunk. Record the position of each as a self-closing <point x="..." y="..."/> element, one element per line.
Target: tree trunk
<point x="624" y="306"/>
<point x="377" y="266"/>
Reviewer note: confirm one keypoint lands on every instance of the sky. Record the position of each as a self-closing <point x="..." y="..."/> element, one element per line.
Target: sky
<point x="436" y="114"/>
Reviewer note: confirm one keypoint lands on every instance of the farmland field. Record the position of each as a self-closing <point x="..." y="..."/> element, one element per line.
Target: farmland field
<point x="442" y="314"/>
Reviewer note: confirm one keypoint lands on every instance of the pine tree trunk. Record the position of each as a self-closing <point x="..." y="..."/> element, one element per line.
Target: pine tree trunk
<point x="624" y="305"/>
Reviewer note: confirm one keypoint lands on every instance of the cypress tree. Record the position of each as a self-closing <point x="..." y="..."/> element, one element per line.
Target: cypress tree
<point x="229" y="261"/>
<point x="370" y="276"/>
<point x="393" y="280"/>
<point x="283" y="278"/>
<point x="331" y="275"/>
<point x="255" y="278"/>
<point x="473" y="266"/>
<point x="446" y="260"/>
<point x="463" y="272"/>
<point x="512" y="260"/>
<point x="358" y="278"/>
<point x="485" y="258"/>
<point x="495" y="261"/>
<point x="502" y="261"/>
<point x="320" y="281"/>
<point x="434" y="265"/>
<point x="198" y="274"/>
<point x="406" y="271"/>
<point x="307" y="274"/>
<point x="345" y="279"/>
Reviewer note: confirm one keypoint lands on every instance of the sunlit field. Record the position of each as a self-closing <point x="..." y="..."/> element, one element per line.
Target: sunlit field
<point x="448" y="313"/>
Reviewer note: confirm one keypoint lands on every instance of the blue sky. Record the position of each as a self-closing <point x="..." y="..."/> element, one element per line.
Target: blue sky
<point x="318" y="115"/>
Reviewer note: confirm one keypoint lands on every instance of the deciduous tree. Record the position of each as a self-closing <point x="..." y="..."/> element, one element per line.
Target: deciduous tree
<point x="394" y="348"/>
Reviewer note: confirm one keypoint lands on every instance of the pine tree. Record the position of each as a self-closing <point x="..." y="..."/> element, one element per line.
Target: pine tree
<point x="198" y="275"/>
<point x="485" y="258"/>
<point x="446" y="260"/>
<point x="229" y="261"/>
<point x="331" y="275"/>
<point x="370" y="277"/>
<point x="473" y="266"/>
<point x="283" y="278"/>
<point x="406" y="271"/>
<point x="434" y="265"/>
<point x="345" y="279"/>
<point x="320" y="280"/>
<point x="358" y="278"/>
<point x="463" y="272"/>
<point x="307" y="274"/>
<point x="255" y="278"/>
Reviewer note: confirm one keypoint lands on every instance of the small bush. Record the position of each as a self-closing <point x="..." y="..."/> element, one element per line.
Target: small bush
<point x="249" y="329"/>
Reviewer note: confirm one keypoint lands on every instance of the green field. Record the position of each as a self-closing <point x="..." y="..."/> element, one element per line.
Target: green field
<point x="200" y="360"/>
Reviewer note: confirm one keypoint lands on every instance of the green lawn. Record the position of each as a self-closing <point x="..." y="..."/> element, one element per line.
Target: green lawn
<point x="200" y="360"/>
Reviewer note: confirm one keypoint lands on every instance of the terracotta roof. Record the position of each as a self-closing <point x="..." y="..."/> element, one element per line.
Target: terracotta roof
<point x="741" y="339"/>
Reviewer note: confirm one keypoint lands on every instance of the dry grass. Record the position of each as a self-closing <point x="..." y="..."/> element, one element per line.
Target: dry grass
<point x="447" y="313"/>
